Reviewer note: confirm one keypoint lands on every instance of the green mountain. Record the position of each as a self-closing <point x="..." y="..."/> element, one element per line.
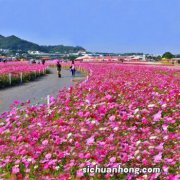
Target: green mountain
<point x="15" y="43"/>
<point x="1" y="36"/>
<point x="62" y="49"/>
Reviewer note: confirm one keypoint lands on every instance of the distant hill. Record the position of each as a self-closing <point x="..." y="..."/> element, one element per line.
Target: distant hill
<point x="1" y="36"/>
<point x="15" y="43"/>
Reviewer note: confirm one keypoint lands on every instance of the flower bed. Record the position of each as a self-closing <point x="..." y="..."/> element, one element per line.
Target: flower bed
<point x="12" y="73"/>
<point x="123" y="114"/>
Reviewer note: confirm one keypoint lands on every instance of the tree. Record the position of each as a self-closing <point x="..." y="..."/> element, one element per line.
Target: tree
<point x="168" y="55"/>
<point x="72" y="57"/>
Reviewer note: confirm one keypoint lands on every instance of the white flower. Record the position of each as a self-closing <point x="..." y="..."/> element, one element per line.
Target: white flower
<point x="69" y="135"/>
<point x="165" y="137"/>
<point x="94" y="105"/>
<point x="29" y="159"/>
<point x="153" y="137"/>
<point x="151" y="147"/>
<point x="138" y="116"/>
<point x="151" y="105"/>
<point x="57" y="168"/>
<point x="1" y="124"/>
<point x="138" y="142"/>
<point x="138" y="157"/>
<point x="136" y="111"/>
<point x="93" y="163"/>
<point x="87" y="101"/>
<point x="6" y="131"/>
<point x="83" y="129"/>
<point x="145" y="176"/>
<point x="50" y="111"/>
<point x="36" y="166"/>
<point x="102" y="129"/>
<point x="164" y="105"/>
<point x="165" y="127"/>
<point x="116" y="129"/>
<point x="39" y="124"/>
<point x="136" y="153"/>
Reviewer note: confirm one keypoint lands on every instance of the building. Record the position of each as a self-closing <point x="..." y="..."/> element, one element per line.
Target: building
<point x="175" y="60"/>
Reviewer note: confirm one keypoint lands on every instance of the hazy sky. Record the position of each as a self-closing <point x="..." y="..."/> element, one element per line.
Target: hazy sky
<point x="149" y="26"/>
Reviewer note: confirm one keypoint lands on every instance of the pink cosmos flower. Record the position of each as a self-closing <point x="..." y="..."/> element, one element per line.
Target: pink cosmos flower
<point x="144" y="162"/>
<point x="79" y="173"/>
<point x="124" y="157"/>
<point x="59" y="154"/>
<point x="173" y="177"/>
<point x="112" y="159"/>
<point x="165" y="127"/>
<point x="15" y="169"/>
<point x="45" y="142"/>
<point x="81" y="155"/>
<point x="157" y="116"/>
<point x="13" y="138"/>
<point x="165" y="169"/>
<point x="48" y="156"/>
<point x="112" y="118"/>
<point x="77" y="144"/>
<point x="105" y="130"/>
<point x="46" y="166"/>
<point x="144" y="120"/>
<point x="90" y="140"/>
<point x="88" y="155"/>
<point x="160" y="147"/>
<point x="16" y="102"/>
<point x="108" y="97"/>
<point x="158" y="158"/>
<point x="80" y="114"/>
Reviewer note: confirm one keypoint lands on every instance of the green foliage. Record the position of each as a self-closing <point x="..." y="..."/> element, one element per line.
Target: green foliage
<point x="62" y="49"/>
<point x="177" y="56"/>
<point x="154" y="58"/>
<point x="15" y="43"/>
<point x="72" y="57"/>
<point x="168" y="55"/>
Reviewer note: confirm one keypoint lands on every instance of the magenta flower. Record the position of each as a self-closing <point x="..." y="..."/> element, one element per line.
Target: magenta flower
<point x="15" y="169"/>
<point x="45" y="142"/>
<point x="90" y="141"/>
<point x="16" y="102"/>
<point x="112" y="118"/>
<point x="48" y="156"/>
<point x="121" y="114"/>
<point x="112" y="159"/>
<point x="158" y="157"/>
<point x="79" y="173"/>
<point x="157" y="116"/>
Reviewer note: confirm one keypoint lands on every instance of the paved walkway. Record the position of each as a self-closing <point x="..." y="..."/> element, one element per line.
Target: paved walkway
<point x="37" y="90"/>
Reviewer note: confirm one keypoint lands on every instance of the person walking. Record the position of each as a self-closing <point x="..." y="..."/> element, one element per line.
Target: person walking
<point x="73" y="70"/>
<point x="58" y="65"/>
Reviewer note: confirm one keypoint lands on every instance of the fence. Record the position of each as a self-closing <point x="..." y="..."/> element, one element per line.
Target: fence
<point x="9" y="79"/>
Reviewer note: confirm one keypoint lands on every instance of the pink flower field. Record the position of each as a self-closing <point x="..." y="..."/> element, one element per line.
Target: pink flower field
<point x="121" y="114"/>
<point x="29" y="71"/>
<point x="16" y="67"/>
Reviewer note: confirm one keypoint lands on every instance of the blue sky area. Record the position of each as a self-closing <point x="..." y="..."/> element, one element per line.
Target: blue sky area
<point x="149" y="26"/>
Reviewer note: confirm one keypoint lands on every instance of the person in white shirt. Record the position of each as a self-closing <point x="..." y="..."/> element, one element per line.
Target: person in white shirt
<point x="73" y="70"/>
